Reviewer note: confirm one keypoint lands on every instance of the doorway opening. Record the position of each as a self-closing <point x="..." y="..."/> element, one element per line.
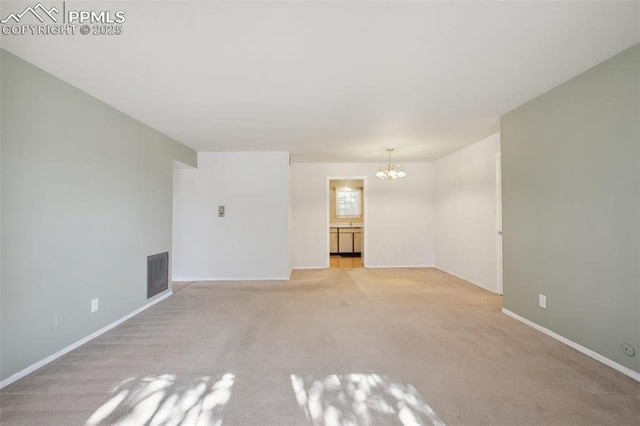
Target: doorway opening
<point x="346" y="224"/>
<point x="499" y="222"/>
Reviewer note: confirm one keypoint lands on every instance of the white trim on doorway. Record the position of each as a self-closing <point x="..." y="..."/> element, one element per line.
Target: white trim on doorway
<point x="499" y="223"/>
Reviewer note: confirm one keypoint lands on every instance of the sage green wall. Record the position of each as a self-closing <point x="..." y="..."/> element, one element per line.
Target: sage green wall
<point x="571" y="208"/>
<point x="86" y="196"/>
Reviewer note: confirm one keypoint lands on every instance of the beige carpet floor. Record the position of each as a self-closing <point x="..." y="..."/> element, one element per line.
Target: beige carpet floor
<point x="329" y="347"/>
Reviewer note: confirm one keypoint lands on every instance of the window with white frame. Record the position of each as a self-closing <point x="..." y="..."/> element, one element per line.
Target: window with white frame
<point x="348" y="202"/>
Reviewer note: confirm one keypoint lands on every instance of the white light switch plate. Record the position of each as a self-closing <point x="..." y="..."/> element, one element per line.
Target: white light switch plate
<point x="542" y="301"/>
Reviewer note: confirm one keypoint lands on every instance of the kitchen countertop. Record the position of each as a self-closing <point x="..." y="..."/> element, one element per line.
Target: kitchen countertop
<point x="345" y="225"/>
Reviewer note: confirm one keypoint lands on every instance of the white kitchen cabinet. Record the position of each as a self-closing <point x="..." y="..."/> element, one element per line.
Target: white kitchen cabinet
<point x="357" y="241"/>
<point x="333" y="240"/>
<point x="345" y="241"/>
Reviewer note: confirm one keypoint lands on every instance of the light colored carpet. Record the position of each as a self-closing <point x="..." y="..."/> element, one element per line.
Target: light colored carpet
<point x="335" y="346"/>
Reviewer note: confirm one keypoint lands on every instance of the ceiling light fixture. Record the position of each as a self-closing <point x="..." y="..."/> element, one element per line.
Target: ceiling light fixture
<point x="390" y="172"/>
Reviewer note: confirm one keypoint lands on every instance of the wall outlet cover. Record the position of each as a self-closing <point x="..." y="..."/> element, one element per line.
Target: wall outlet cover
<point x="94" y="305"/>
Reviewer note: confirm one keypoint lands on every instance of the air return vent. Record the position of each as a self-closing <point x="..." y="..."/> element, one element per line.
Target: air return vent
<point x="157" y="273"/>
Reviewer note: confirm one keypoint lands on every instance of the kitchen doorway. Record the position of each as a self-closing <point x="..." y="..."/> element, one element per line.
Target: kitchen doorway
<point x="346" y="209"/>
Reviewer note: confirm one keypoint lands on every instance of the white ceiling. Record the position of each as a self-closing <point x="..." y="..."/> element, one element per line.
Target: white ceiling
<point x="332" y="80"/>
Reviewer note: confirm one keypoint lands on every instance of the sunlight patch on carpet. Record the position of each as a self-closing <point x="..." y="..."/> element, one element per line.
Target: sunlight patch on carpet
<point x="361" y="399"/>
<point x="165" y="400"/>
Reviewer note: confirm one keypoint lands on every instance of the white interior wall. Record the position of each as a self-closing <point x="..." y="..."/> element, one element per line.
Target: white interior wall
<point x="263" y="234"/>
<point x="252" y="240"/>
<point x="465" y="199"/>
<point x="399" y="215"/>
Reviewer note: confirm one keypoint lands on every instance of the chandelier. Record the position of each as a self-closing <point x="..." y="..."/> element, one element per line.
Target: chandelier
<point x="390" y="172"/>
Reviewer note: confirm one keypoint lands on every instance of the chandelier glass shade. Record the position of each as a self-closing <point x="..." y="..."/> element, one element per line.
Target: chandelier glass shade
<point x="390" y="171"/>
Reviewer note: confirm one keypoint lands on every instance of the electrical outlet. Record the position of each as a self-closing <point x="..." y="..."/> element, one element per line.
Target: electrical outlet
<point x="542" y="301"/>
<point x="57" y="320"/>
<point x="94" y="305"/>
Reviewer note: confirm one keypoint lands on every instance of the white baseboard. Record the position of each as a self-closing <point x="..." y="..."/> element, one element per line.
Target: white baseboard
<point x="606" y="361"/>
<point x="468" y="280"/>
<point x="311" y="267"/>
<point x="33" y="367"/>
<point x="398" y="266"/>
<point x="371" y="267"/>
<point x="203" y="279"/>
